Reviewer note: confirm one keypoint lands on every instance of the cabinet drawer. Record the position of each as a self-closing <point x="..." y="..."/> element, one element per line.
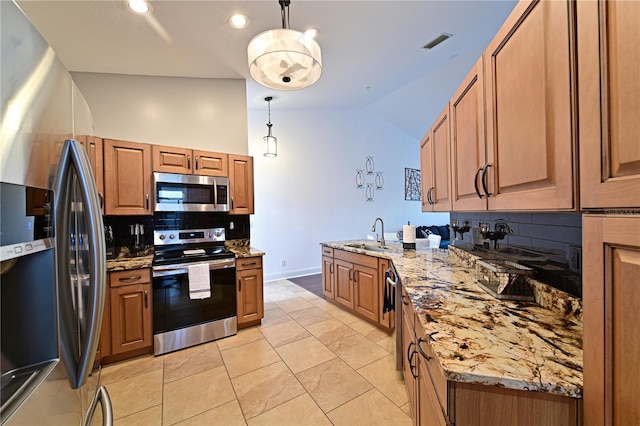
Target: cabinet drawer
<point x="359" y="259"/>
<point x="133" y="276"/>
<point x="327" y="251"/>
<point x="249" y="263"/>
<point x="426" y="353"/>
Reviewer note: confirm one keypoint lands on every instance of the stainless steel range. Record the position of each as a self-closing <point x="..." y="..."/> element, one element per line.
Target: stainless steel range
<point x="194" y="291"/>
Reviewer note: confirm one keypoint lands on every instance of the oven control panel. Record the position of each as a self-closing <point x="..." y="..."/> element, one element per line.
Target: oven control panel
<point x="188" y="236"/>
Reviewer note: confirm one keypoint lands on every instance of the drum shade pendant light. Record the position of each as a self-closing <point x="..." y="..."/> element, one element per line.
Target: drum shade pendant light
<point x="284" y="59"/>
<point x="271" y="142"/>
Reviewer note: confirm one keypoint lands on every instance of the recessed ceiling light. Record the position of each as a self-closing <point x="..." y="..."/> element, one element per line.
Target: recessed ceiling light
<point x="238" y="21"/>
<point x="139" y="6"/>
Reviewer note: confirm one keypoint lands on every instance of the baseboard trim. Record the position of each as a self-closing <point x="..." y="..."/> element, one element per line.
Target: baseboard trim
<point x="292" y="274"/>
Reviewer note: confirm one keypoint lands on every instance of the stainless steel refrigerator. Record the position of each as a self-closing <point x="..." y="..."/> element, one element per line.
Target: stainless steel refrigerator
<point x="52" y="249"/>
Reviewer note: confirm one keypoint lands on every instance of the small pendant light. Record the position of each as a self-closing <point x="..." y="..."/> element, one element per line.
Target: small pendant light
<point x="270" y="140"/>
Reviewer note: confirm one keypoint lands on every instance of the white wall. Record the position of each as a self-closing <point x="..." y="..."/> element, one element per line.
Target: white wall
<point x="307" y="194"/>
<point x="207" y="114"/>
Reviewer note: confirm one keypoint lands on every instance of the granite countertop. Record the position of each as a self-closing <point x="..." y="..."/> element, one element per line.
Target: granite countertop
<point x="124" y="262"/>
<point x="479" y="339"/>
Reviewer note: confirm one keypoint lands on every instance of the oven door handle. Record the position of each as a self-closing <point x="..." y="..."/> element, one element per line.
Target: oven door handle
<point x="183" y="268"/>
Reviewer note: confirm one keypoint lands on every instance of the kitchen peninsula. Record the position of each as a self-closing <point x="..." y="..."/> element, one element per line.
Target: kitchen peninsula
<point x="478" y="351"/>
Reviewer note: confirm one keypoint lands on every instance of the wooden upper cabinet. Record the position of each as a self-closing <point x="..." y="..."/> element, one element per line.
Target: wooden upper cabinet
<point x="94" y="148"/>
<point x="170" y="159"/>
<point x="127" y="172"/>
<point x="608" y="93"/>
<point x="426" y="171"/>
<point x="529" y="102"/>
<point x="434" y="165"/>
<point x="241" y="184"/>
<point x="441" y="194"/>
<point x="468" y="153"/>
<point x="210" y="163"/>
<point x="611" y="296"/>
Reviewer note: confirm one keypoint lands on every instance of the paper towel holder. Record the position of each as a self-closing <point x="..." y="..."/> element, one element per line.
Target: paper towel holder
<point x="408" y="237"/>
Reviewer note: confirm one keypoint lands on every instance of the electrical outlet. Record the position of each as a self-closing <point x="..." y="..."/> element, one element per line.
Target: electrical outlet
<point x="283" y="263"/>
<point x="575" y="259"/>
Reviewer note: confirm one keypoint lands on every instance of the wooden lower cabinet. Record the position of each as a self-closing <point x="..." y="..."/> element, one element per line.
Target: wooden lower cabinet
<point x="130" y="310"/>
<point x="356" y="281"/>
<point x="409" y="358"/>
<point x="249" y="298"/>
<point x="344" y="283"/>
<point x="611" y="297"/>
<point x="328" y="275"/>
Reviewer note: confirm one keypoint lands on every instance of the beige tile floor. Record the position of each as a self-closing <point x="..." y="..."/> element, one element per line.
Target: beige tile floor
<point x="308" y="363"/>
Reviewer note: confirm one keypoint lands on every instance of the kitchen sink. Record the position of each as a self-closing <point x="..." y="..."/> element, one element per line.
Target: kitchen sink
<point x="371" y="247"/>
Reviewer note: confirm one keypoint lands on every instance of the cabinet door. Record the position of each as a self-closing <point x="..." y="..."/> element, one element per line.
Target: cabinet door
<point x="428" y="407"/>
<point x="441" y="193"/>
<point x="169" y="159"/>
<point x="127" y="178"/>
<point x="611" y="285"/>
<point x="468" y="142"/>
<point x="250" y="299"/>
<point x="104" y="346"/>
<point x="608" y="92"/>
<point x="241" y="184"/>
<point x="365" y="290"/>
<point x="344" y="283"/>
<point x="529" y="96"/>
<point x="426" y="171"/>
<point x="131" y="318"/>
<point x="328" y="277"/>
<point x="94" y="148"/>
<point x="409" y="355"/>
<point x="210" y="163"/>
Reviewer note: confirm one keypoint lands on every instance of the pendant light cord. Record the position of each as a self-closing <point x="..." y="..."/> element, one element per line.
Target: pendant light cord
<point x="284" y="13"/>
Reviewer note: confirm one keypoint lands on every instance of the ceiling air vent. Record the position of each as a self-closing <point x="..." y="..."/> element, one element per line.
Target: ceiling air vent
<point x="436" y="41"/>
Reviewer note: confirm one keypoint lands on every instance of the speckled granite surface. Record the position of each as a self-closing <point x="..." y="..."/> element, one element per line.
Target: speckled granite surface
<point x="123" y="262"/>
<point x="246" y="251"/>
<point x="479" y="339"/>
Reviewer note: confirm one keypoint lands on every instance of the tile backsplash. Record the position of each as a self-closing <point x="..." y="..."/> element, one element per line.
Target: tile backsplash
<point x="559" y="231"/>
<point x="236" y="226"/>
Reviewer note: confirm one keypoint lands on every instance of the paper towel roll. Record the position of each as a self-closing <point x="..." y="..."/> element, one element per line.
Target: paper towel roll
<point x="408" y="234"/>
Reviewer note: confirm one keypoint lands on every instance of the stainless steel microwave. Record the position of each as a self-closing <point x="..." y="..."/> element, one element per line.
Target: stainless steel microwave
<point x="190" y="193"/>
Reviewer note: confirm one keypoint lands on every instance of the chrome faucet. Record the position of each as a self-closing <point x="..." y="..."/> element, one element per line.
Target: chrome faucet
<point x="501" y="227"/>
<point x="373" y="229"/>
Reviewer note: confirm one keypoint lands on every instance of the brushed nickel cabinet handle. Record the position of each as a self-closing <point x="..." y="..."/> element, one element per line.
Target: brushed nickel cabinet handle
<point x="146" y="299"/>
<point x="189" y="162"/>
<point x="197" y="162"/>
<point x="484" y="180"/>
<point x="239" y="284"/>
<point x="249" y="264"/>
<point x="134" y="278"/>
<point x="147" y="197"/>
<point x="475" y="182"/>
<point x="422" y="352"/>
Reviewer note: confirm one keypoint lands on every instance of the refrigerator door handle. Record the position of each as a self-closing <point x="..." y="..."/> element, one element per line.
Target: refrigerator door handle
<point x="78" y="356"/>
<point x="101" y="396"/>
